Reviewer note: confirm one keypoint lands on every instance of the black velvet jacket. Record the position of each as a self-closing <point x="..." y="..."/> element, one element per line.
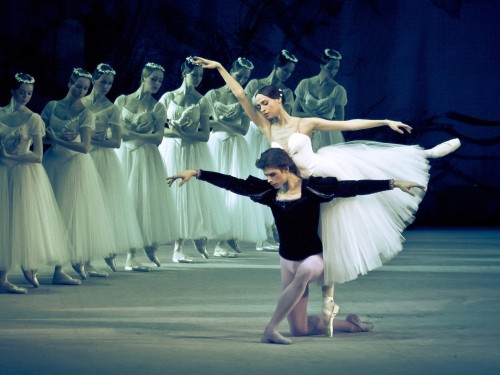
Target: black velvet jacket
<point x="296" y="220"/>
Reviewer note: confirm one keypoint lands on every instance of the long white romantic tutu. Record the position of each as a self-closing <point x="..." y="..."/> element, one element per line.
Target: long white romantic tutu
<point x="359" y="234"/>
<point x="232" y="157"/>
<point x="152" y="200"/>
<point x="118" y="200"/>
<point x="5" y="251"/>
<point x="79" y="193"/>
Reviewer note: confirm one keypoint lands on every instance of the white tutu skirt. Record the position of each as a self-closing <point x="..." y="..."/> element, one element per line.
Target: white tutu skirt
<point x="118" y="200"/>
<point x="322" y="138"/>
<point x="257" y="144"/>
<point x="5" y="250"/>
<point x="38" y="233"/>
<point x="151" y="197"/>
<point x="359" y="234"/>
<point x="232" y="157"/>
<point x="79" y="193"/>
<point x="200" y="205"/>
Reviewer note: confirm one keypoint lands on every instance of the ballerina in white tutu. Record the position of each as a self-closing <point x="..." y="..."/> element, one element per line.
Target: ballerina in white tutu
<point x="105" y="139"/>
<point x="229" y="124"/>
<point x="200" y="208"/>
<point x="354" y="241"/>
<point x="143" y="120"/>
<point x="74" y="177"/>
<point x="283" y="67"/>
<point x="322" y="96"/>
<point x="33" y="233"/>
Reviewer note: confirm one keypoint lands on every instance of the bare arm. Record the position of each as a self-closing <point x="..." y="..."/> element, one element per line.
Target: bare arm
<point x="34" y="156"/>
<point x="316" y="123"/>
<point x="113" y="142"/>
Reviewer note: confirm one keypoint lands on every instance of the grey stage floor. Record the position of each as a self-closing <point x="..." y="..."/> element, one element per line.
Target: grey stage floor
<point x="436" y="309"/>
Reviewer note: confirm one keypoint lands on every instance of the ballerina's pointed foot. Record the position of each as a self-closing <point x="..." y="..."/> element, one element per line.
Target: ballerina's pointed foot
<point x="363" y="326"/>
<point x="30" y="276"/>
<point x="8" y="287"/>
<point x="151" y="253"/>
<point x="443" y="149"/>
<point x="330" y="311"/>
<point x="274" y="338"/>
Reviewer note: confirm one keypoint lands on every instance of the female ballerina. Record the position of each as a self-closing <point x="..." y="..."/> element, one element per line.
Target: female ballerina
<point x="105" y="139"/>
<point x="74" y="177"/>
<point x="355" y="240"/>
<point x="295" y="204"/>
<point x="283" y="67"/>
<point x="200" y="208"/>
<point x="37" y="234"/>
<point x="229" y="124"/>
<point x="143" y="118"/>
<point x="322" y="96"/>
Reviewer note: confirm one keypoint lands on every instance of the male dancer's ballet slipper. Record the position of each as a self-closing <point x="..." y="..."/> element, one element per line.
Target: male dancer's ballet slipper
<point x="275" y="338"/>
<point x="363" y="326"/>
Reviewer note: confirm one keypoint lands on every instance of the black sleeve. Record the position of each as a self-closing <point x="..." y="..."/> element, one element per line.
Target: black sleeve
<point x="347" y="188"/>
<point x="249" y="187"/>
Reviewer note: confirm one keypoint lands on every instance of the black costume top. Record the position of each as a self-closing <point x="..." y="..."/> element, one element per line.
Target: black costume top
<point x="296" y="220"/>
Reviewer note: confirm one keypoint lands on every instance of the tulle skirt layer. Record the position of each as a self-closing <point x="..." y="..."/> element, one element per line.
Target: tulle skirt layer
<point x="321" y="139"/>
<point x="200" y="205"/>
<point x="38" y="233"/>
<point x="118" y="199"/>
<point x="257" y="144"/>
<point x="152" y="199"/>
<point x="5" y="250"/>
<point x="359" y="234"/>
<point x="232" y="157"/>
<point x="80" y="195"/>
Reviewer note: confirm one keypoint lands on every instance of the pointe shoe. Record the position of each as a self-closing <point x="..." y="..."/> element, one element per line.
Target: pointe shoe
<point x="363" y="326"/>
<point x="275" y="338"/>
<point x="222" y="252"/>
<point x="8" y="287"/>
<point x="201" y="246"/>
<point x="79" y="269"/>
<point x="151" y="253"/>
<point x="61" y="278"/>
<point x="110" y="261"/>
<point x="266" y="246"/>
<point x="443" y="149"/>
<point x="30" y="276"/>
<point x="234" y="244"/>
<point x="91" y="271"/>
<point x="133" y="265"/>
<point x="179" y="257"/>
<point x="330" y="311"/>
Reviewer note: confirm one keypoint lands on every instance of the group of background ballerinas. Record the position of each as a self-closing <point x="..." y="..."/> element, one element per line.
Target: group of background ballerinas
<point x="100" y="188"/>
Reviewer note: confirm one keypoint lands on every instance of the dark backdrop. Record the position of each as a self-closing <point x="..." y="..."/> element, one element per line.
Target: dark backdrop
<point x="431" y="63"/>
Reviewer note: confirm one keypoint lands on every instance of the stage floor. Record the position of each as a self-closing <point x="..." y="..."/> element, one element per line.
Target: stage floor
<point x="435" y="308"/>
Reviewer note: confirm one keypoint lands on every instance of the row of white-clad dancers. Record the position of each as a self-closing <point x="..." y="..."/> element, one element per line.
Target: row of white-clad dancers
<point x="101" y="190"/>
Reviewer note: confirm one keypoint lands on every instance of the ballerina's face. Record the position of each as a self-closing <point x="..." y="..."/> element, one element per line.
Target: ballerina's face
<point x="269" y="107"/>
<point x="104" y="83"/>
<point x="331" y="69"/>
<point x="79" y="88"/>
<point x="284" y="72"/>
<point x="152" y="83"/>
<point x="276" y="177"/>
<point x="195" y="76"/>
<point x="23" y="94"/>
<point x="241" y="76"/>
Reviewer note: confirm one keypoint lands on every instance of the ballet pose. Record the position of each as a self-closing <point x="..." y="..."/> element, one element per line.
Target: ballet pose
<point x="322" y="96"/>
<point x="355" y="240"/>
<point x="200" y="208"/>
<point x="105" y="139"/>
<point x="229" y="124"/>
<point x="74" y="177"/>
<point x="33" y="233"/>
<point x="143" y="118"/>
<point x="295" y="204"/>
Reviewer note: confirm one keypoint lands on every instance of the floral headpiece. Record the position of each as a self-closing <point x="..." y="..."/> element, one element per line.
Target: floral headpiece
<point x="332" y="54"/>
<point x="244" y="62"/>
<point x="79" y="72"/>
<point x="152" y="65"/>
<point x="24" y="78"/>
<point x="287" y="55"/>
<point x="281" y="92"/>
<point x="105" y="69"/>
<point x="192" y="61"/>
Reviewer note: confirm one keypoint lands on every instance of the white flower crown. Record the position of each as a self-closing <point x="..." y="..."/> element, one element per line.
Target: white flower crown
<point x="105" y="69"/>
<point x="24" y="78"/>
<point x="287" y="55"/>
<point x="332" y="54"/>
<point x="153" y="65"/>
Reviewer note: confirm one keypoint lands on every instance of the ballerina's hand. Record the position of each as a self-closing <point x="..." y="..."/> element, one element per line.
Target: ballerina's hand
<point x="398" y="126"/>
<point x="206" y="64"/>
<point x="184" y="176"/>
<point x="406" y="186"/>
